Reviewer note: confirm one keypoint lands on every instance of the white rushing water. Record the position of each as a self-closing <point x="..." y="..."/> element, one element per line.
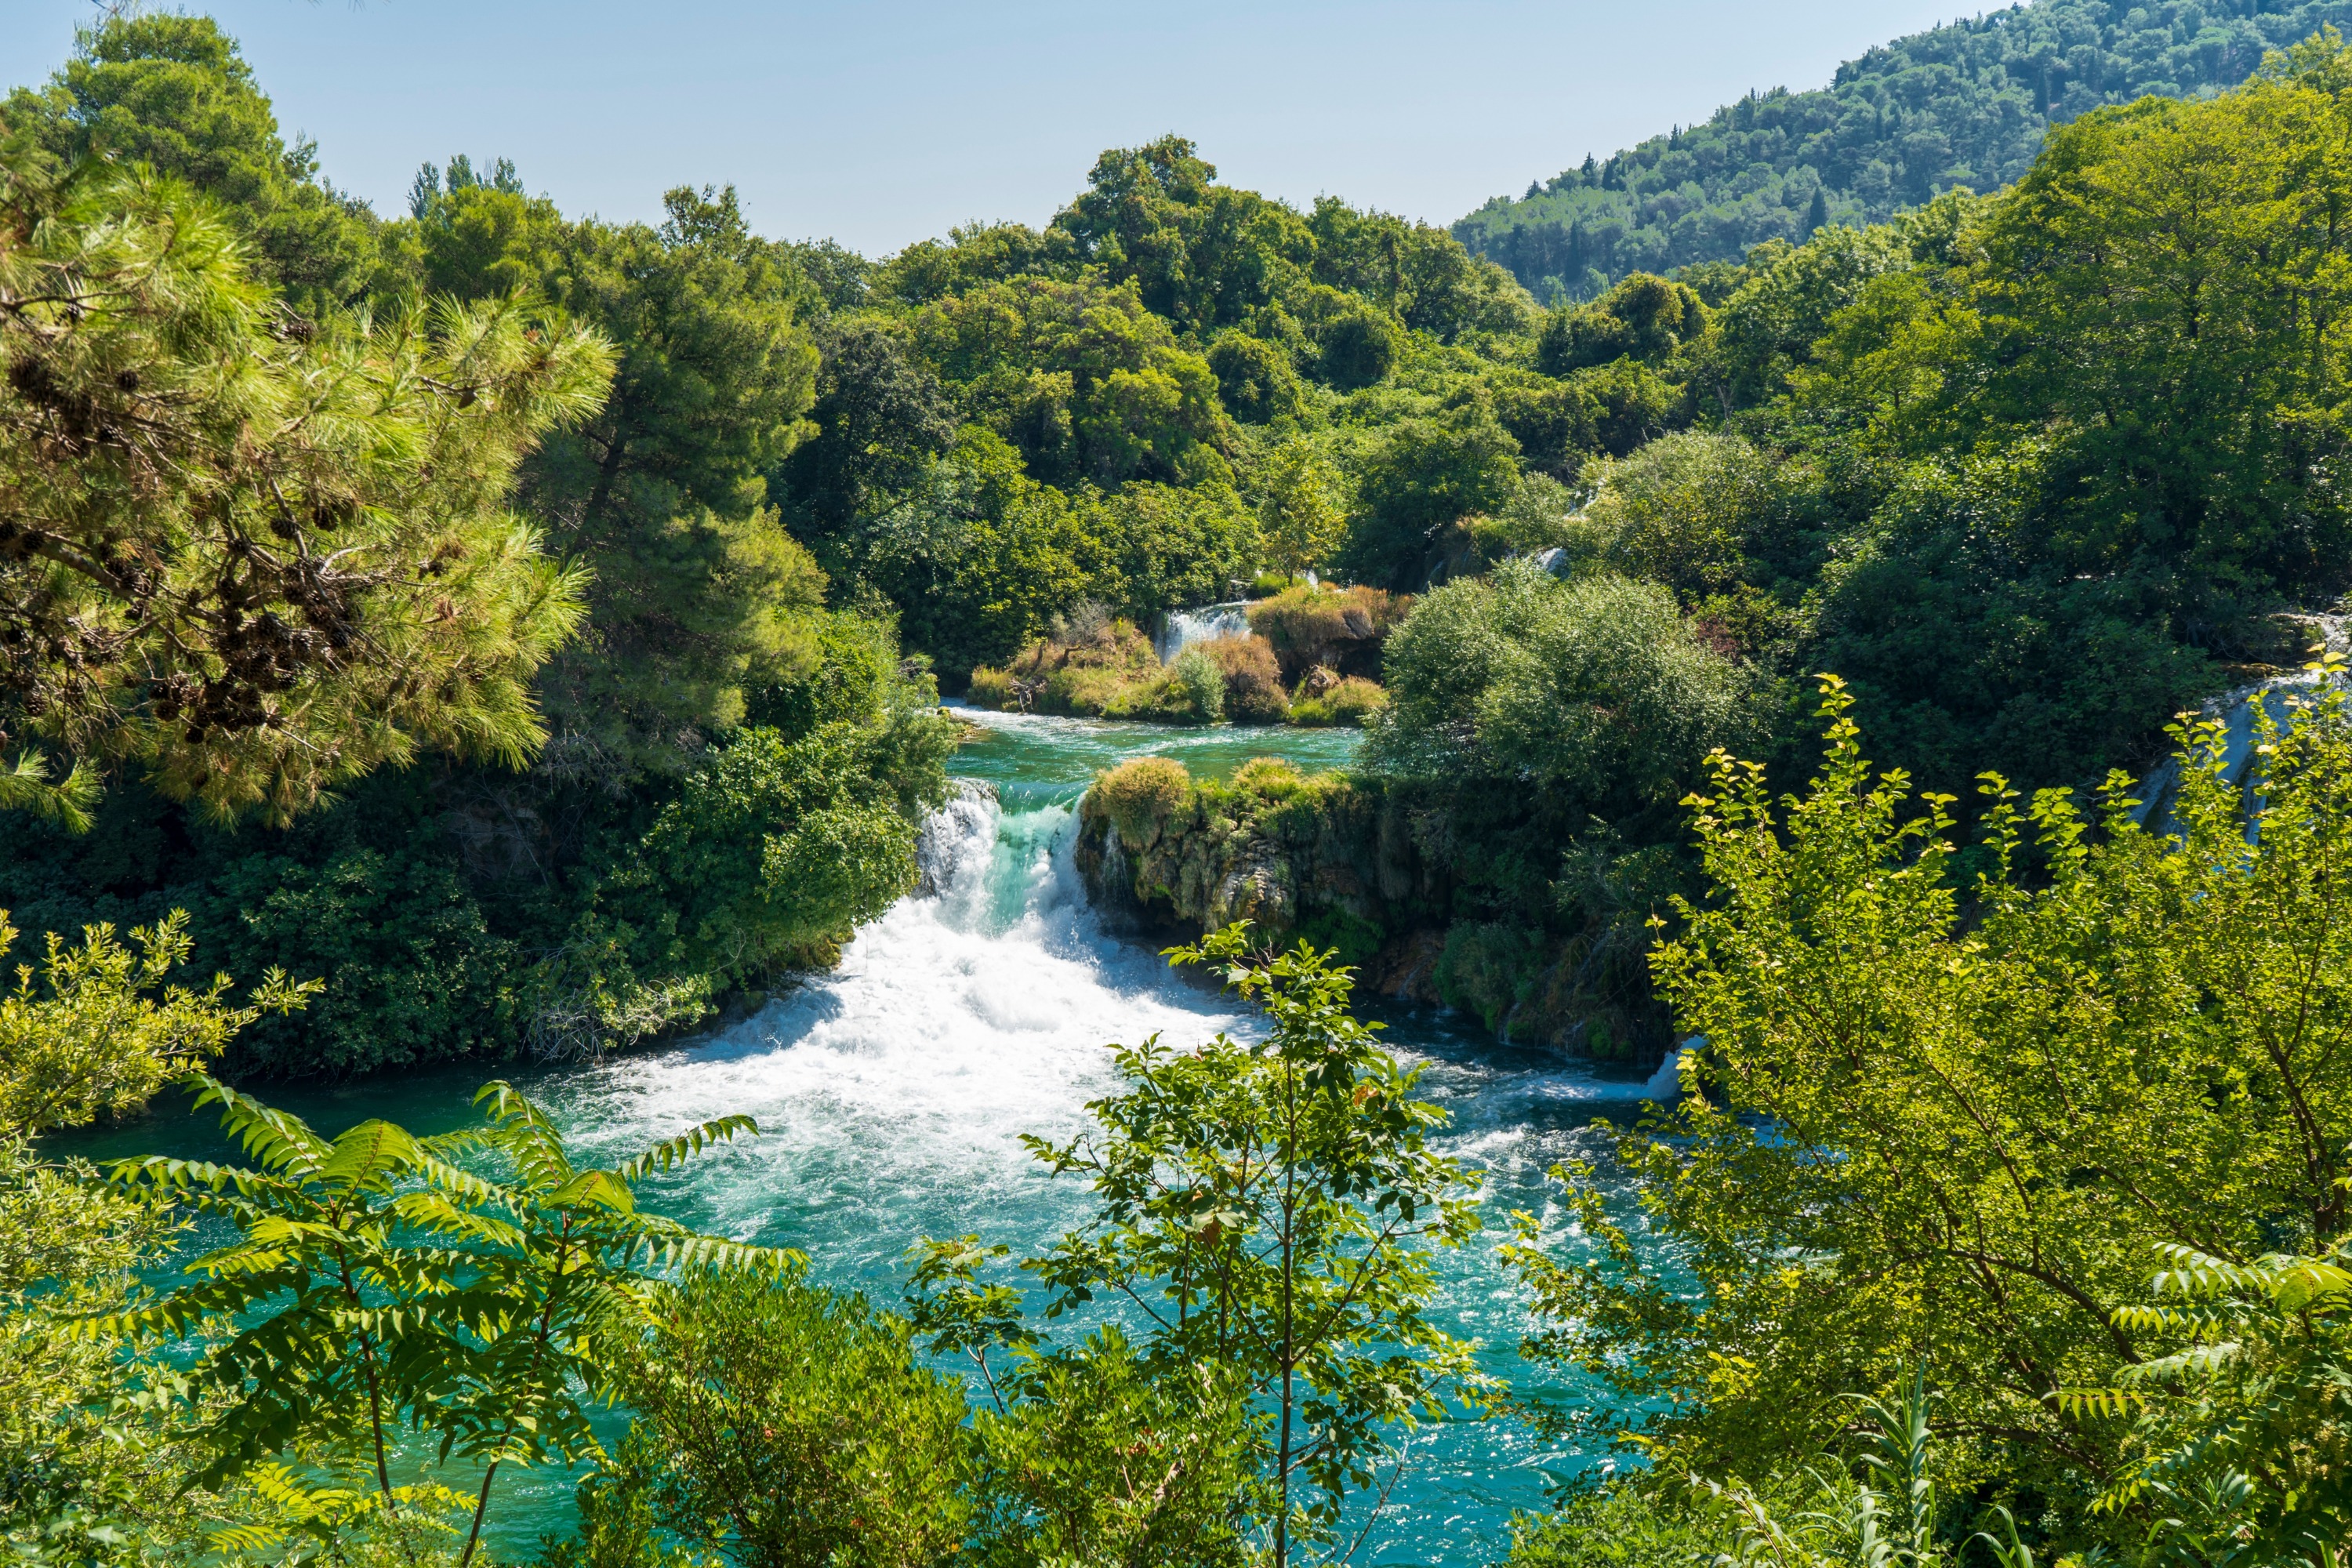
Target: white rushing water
<point x="893" y="1092"/>
<point x="1183" y="628"/>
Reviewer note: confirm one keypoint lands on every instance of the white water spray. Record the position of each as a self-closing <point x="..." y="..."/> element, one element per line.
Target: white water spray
<point x="1184" y="627"/>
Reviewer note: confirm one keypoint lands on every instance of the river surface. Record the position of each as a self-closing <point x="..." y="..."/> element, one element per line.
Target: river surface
<point x="891" y="1095"/>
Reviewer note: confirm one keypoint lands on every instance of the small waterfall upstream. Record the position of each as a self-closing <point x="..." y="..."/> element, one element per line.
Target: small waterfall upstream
<point x="1183" y="628"/>
<point x="2237" y="709"/>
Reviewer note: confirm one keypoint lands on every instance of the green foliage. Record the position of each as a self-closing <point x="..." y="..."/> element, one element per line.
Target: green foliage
<point x="1094" y="1457"/>
<point x="835" y="844"/>
<point x="1595" y="689"/>
<point x="1085" y="380"/>
<point x="1256" y="380"/>
<point x="1425" y="473"/>
<point x="2097" y="1056"/>
<point x="376" y="1282"/>
<point x="1681" y="512"/>
<point x="789" y="1427"/>
<point x="1645" y="318"/>
<point x="1351" y="700"/>
<point x="1165" y="547"/>
<point x="978" y="556"/>
<point x="2251" y="1407"/>
<point x="1272" y="1208"/>
<point x="698" y="588"/>
<point x="1139" y="795"/>
<point x="189" y="601"/>
<point x="173" y="93"/>
<point x="102" y="1033"/>
<point x="1965" y="104"/>
<point x="1626" y="1524"/>
<point x="1299" y="519"/>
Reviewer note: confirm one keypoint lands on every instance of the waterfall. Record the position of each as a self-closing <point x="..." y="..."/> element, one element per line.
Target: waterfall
<point x="957" y="839"/>
<point x="891" y="1093"/>
<point x="1665" y="1085"/>
<point x="2236" y="709"/>
<point x="1184" y="627"/>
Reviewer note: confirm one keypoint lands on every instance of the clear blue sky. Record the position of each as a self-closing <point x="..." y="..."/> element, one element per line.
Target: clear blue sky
<point x="880" y="123"/>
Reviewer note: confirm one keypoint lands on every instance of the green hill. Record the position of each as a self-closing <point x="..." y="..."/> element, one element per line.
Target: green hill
<point x="1964" y="104"/>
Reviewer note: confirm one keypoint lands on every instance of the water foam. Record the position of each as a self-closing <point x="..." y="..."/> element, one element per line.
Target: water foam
<point x="891" y="1093"/>
<point x="1184" y="627"/>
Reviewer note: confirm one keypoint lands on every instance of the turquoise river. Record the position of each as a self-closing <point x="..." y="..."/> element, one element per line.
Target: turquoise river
<point x="891" y="1095"/>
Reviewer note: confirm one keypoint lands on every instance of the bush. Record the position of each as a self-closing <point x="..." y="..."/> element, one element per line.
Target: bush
<point x="1680" y="511"/>
<point x="1194" y="690"/>
<point x="1253" y="679"/>
<point x="1623" y="1525"/>
<point x="1098" y="1460"/>
<point x="991" y="688"/>
<point x="1596" y="690"/>
<point x="1350" y="702"/>
<point x="1254" y="378"/>
<point x="1341" y="627"/>
<point x="1271" y="778"/>
<point x="791" y="1425"/>
<point x="1140" y="795"/>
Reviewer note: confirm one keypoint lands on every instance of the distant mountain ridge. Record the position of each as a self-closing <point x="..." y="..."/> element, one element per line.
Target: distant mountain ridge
<point x="1962" y="104"/>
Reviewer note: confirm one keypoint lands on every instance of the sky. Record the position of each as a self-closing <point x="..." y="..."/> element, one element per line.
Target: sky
<point x="883" y="123"/>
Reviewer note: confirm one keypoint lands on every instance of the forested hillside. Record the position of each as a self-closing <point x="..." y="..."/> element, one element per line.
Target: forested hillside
<point x="1963" y="106"/>
<point x="819" y="487"/>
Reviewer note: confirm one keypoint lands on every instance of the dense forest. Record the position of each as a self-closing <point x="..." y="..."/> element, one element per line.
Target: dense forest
<point x="820" y="486"/>
<point x="1961" y="107"/>
<point x="481" y="633"/>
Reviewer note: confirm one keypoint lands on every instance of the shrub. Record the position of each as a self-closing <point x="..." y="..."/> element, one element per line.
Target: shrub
<point x="1196" y="689"/>
<point x="792" y="1424"/>
<point x="1253" y="679"/>
<point x="991" y="688"/>
<point x="1143" y="795"/>
<point x="1273" y="778"/>
<point x="1341" y="627"/>
<point x="1349" y="703"/>
<point x="1595" y="691"/>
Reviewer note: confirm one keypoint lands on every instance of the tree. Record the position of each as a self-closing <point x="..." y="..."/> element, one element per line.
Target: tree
<point x="375" y="1282"/>
<point x="1946" y="1116"/>
<point x="1299" y="519"/>
<point x="879" y="416"/>
<point x="93" y="1456"/>
<point x="1272" y="1208"/>
<point x="259" y="556"/>
<point x="1424" y="473"/>
<point x="1595" y="691"/>
<point x="789" y="1426"/>
<point x="699" y="593"/>
<point x="1083" y="378"/>
<point x="172" y="92"/>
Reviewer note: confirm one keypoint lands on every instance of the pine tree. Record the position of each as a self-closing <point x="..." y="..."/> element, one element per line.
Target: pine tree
<point x="257" y="554"/>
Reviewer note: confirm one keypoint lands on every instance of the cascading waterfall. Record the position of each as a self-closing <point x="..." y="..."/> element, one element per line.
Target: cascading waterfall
<point x="891" y="1095"/>
<point x="1183" y="628"/>
<point x="2236" y="709"/>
